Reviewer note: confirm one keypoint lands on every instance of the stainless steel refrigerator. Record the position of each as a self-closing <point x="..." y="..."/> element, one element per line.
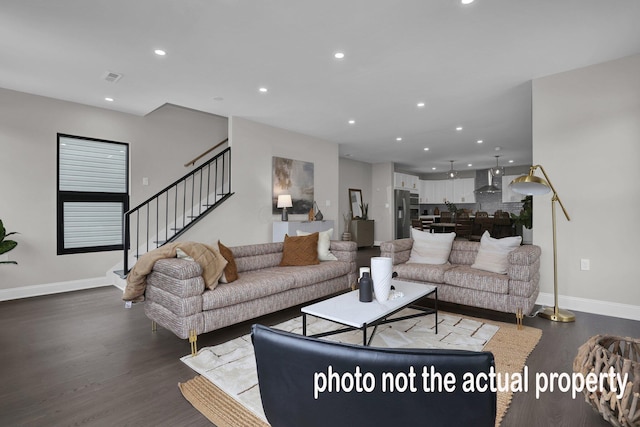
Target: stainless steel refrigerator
<point x="401" y="212"/>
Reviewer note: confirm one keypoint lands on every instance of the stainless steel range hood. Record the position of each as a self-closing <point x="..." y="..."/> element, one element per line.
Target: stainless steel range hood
<point x="489" y="188"/>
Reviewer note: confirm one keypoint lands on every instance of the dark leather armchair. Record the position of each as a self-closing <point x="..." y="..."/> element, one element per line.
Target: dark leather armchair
<point x="299" y="377"/>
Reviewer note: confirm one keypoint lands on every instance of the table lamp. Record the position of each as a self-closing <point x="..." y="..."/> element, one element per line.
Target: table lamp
<point x="532" y="185"/>
<point x="284" y="202"/>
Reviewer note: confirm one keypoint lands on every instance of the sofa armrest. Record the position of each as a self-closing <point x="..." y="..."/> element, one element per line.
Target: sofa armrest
<point x="344" y="250"/>
<point x="398" y="250"/>
<point x="180" y="277"/>
<point x="525" y="255"/>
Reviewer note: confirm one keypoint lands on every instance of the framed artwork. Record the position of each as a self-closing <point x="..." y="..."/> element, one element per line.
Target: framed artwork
<point x="355" y="203"/>
<point x="293" y="177"/>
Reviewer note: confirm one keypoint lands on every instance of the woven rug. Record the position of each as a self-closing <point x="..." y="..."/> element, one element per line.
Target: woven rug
<point x="226" y="391"/>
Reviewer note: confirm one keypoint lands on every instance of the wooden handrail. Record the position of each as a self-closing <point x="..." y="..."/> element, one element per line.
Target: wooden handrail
<point x="193" y="162"/>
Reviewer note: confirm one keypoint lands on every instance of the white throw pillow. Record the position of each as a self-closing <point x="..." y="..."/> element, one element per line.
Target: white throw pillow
<point x="493" y="254"/>
<point x="430" y="248"/>
<point x="324" y="242"/>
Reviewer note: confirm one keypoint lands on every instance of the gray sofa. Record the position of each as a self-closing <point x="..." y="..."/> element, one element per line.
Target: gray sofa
<point x="177" y="300"/>
<point x="458" y="283"/>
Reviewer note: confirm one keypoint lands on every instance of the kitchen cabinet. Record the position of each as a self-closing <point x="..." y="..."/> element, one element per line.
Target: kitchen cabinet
<point x="427" y="191"/>
<point x="452" y="190"/>
<point x="406" y="182"/>
<point x="509" y="195"/>
<point x="463" y="190"/>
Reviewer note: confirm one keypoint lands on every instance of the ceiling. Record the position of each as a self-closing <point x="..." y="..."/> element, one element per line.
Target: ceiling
<point x="471" y="65"/>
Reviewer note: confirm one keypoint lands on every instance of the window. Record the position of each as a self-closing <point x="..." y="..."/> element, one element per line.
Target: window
<point x="93" y="194"/>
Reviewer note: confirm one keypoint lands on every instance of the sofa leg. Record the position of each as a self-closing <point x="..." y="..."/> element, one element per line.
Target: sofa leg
<point x="519" y="317"/>
<point x="193" y="340"/>
<point x="154" y="326"/>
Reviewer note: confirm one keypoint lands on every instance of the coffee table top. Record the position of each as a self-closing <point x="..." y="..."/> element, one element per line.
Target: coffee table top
<point x="348" y="310"/>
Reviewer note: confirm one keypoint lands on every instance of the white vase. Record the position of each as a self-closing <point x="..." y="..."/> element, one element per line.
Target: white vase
<point x="527" y="236"/>
<point x="381" y="270"/>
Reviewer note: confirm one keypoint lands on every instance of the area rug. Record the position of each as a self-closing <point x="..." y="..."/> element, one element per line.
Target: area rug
<point x="227" y="392"/>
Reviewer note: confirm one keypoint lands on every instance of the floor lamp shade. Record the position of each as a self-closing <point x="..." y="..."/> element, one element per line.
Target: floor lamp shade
<point x="284" y="202"/>
<point x="532" y="185"/>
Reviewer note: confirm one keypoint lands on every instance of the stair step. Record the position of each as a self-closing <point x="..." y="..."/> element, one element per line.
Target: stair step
<point x="120" y="274"/>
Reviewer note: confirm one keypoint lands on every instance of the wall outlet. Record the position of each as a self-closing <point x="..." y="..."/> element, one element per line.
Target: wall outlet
<point x="585" y="264"/>
<point x="327" y="203"/>
<point x="145" y="181"/>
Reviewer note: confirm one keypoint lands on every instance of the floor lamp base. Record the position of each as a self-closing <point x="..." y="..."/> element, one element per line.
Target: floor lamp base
<point x="560" y="316"/>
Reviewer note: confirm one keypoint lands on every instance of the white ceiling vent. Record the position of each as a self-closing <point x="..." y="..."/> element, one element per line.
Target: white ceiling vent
<point x="112" y="77"/>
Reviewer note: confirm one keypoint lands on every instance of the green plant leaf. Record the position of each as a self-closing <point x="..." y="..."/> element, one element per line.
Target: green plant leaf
<point x="7" y="245"/>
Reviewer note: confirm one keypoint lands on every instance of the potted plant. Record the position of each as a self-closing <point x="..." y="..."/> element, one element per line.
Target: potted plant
<point x="524" y="220"/>
<point x="6" y="245"/>
<point x="364" y="208"/>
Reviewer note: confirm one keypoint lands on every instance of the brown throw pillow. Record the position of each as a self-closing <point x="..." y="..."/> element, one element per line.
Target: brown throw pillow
<point x="300" y="250"/>
<point x="231" y="270"/>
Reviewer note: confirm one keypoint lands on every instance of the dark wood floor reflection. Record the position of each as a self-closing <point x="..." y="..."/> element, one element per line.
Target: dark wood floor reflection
<point x="82" y="359"/>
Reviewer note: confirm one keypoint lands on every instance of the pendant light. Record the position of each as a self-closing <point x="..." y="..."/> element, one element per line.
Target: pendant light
<point x="452" y="174"/>
<point x="498" y="170"/>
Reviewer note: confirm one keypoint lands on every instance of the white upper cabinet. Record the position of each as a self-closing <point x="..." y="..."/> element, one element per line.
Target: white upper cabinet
<point x="406" y="182"/>
<point x="452" y="190"/>
<point x="507" y="194"/>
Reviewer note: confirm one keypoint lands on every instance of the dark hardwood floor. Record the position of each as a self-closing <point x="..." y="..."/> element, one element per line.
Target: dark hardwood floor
<point x="82" y="359"/>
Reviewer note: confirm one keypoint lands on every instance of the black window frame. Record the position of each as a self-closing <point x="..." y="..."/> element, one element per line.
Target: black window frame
<point x="89" y="197"/>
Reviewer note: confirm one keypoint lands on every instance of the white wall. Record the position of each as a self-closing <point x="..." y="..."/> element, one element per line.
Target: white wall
<point x="246" y="217"/>
<point x="382" y="201"/>
<point x="160" y="144"/>
<point x="586" y="134"/>
<point x="357" y="175"/>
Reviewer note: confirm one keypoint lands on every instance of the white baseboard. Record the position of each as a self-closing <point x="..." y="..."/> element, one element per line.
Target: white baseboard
<point x="606" y="308"/>
<point x="52" y="288"/>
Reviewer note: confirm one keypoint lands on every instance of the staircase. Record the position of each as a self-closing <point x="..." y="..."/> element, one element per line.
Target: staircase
<point x="167" y="215"/>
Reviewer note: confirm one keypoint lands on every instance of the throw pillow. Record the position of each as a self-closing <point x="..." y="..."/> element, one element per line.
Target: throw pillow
<point x="209" y="258"/>
<point x="430" y="248"/>
<point x="493" y="254"/>
<point x="230" y="273"/>
<point x="300" y="250"/>
<point x="324" y="242"/>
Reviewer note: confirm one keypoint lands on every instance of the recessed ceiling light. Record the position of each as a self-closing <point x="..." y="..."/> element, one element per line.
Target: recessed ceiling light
<point x="398" y="139"/>
<point x="160" y="52"/>
<point x="469" y="165"/>
<point x="510" y="161"/>
<point x="426" y="148"/>
<point x="351" y="122"/>
<point x="459" y="128"/>
<point x="498" y="148"/>
<point x="108" y="99"/>
<point x="420" y="104"/>
<point x="433" y="168"/>
<point x="263" y="90"/>
<point x="466" y="1"/>
<point x="338" y="55"/>
<point x="479" y="141"/>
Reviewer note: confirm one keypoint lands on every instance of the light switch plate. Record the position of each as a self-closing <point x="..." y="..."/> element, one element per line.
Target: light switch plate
<point x="585" y="264"/>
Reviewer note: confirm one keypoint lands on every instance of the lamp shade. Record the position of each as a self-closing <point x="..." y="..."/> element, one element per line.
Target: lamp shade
<point x="530" y="185"/>
<point x="284" y="201"/>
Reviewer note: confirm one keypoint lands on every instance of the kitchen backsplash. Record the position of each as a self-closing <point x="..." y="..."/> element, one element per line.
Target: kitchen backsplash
<point x="487" y="202"/>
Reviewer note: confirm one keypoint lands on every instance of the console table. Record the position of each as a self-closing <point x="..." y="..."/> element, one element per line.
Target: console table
<point x="280" y="228"/>
<point x="362" y="232"/>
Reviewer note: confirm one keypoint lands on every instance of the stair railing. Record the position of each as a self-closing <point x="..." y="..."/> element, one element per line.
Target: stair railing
<point x="163" y="217"/>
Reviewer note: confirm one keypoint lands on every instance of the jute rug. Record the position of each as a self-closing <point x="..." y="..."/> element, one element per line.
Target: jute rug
<point x="227" y="393"/>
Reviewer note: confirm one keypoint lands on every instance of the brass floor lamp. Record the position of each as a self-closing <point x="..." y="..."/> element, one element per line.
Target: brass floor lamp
<point x="532" y="185"/>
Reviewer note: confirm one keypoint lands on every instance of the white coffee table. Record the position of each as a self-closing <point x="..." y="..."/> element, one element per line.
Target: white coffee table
<point x="346" y="309"/>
